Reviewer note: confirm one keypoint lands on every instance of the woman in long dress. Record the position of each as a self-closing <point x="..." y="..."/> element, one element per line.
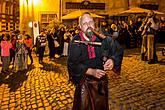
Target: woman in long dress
<point x="21" y="55"/>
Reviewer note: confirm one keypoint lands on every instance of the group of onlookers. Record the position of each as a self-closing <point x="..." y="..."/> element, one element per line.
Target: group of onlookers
<point x="142" y="33"/>
<point x="15" y="47"/>
<point x="58" y="41"/>
<point x="128" y="31"/>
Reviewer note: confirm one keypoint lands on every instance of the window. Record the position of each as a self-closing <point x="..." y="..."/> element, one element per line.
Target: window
<point x="51" y="17"/>
<point x="7" y="26"/>
<point x="46" y="19"/>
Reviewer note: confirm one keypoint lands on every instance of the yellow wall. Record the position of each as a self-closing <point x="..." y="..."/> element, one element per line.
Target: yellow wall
<point x="34" y="8"/>
<point x="31" y="11"/>
<point x="38" y="6"/>
<point x="46" y="6"/>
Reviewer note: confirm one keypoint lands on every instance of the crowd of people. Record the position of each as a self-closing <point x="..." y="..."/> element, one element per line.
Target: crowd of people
<point x="128" y="31"/>
<point x="14" y="50"/>
<point x="16" y="47"/>
<point x="128" y="34"/>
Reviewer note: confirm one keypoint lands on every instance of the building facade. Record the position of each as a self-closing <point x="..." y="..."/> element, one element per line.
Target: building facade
<point x="110" y="7"/>
<point x="16" y="14"/>
<point x="9" y="15"/>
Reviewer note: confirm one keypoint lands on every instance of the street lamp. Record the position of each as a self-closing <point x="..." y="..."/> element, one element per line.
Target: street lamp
<point x="30" y="24"/>
<point x="35" y="2"/>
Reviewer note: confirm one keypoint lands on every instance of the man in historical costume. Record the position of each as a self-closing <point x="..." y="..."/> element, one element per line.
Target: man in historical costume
<point x="88" y="60"/>
<point x="148" y="50"/>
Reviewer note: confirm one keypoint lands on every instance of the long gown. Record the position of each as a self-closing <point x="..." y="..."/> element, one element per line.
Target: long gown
<point x="21" y="57"/>
<point x="91" y="93"/>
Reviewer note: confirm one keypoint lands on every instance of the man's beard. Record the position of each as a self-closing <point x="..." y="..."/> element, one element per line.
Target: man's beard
<point x="89" y="33"/>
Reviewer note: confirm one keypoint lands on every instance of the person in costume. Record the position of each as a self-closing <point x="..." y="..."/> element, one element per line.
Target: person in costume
<point x="89" y="59"/>
<point x="149" y="29"/>
<point x="20" y="63"/>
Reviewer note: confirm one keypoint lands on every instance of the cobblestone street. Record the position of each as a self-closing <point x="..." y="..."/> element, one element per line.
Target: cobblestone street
<point x="141" y="86"/>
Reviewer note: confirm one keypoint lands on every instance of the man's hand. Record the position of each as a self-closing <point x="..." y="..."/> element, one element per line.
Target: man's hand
<point x="97" y="73"/>
<point x="109" y="64"/>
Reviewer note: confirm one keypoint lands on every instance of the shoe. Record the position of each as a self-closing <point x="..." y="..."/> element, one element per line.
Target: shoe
<point x="143" y="57"/>
<point x="3" y="71"/>
<point x="40" y="62"/>
<point x="151" y="61"/>
<point x="65" y="55"/>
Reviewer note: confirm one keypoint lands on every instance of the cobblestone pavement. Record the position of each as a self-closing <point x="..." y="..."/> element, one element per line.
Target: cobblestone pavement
<point x="141" y="86"/>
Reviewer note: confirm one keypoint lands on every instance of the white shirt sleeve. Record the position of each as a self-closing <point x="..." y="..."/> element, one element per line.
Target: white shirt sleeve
<point x="153" y="24"/>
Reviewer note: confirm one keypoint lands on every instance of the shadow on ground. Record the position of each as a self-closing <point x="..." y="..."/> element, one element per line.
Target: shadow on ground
<point x="14" y="80"/>
<point x="51" y="67"/>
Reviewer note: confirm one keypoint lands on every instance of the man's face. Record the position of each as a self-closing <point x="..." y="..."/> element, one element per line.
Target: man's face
<point x="86" y="23"/>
